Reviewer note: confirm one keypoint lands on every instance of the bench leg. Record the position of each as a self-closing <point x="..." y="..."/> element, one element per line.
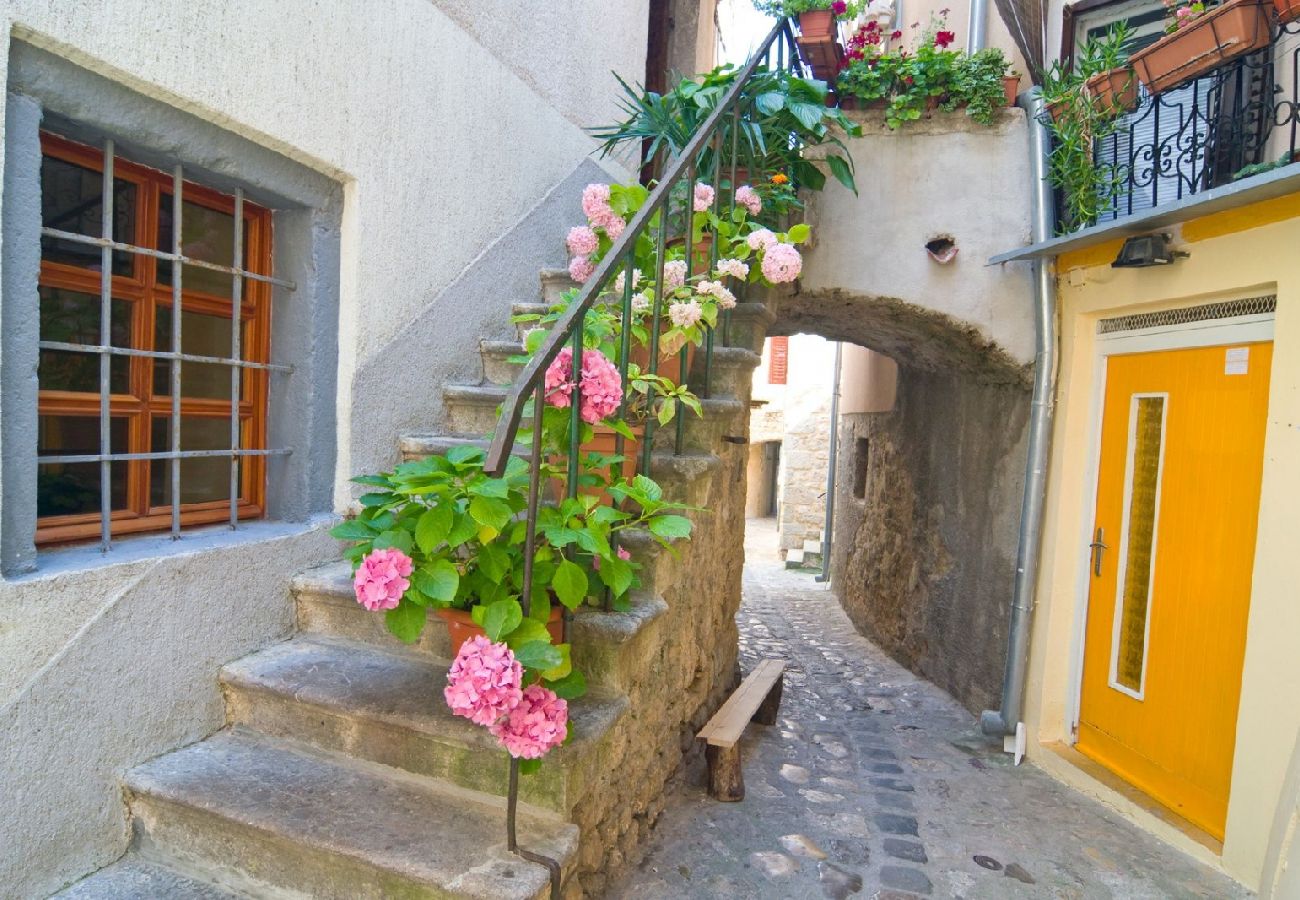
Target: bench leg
<point x="767" y="710"/>
<point x="726" y="781"/>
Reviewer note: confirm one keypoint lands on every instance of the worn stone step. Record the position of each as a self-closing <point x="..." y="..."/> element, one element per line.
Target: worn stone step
<point x="684" y="478"/>
<point x="554" y="283"/>
<point x="528" y="309"/>
<point x="333" y="828"/>
<point x="327" y="607"/>
<point x="749" y="324"/>
<point x="497" y="367"/>
<point x="388" y="708"/>
<point x="724" y="420"/>
<point x="472" y="408"/>
<point x="417" y="445"/>
<point x="132" y="878"/>
<point x="731" y="373"/>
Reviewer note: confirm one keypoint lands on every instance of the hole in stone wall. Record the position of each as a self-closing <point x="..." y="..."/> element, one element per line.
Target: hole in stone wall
<point x="861" y="456"/>
<point x="942" y="249"/>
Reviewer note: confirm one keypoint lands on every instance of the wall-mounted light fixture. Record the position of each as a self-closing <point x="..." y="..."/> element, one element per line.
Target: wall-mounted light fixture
<point x="1146" y="250"/>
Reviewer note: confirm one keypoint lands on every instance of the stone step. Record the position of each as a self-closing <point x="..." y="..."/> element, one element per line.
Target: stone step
<point x="418" y="445"/>
<point x="327" y="607"/>
<point x="724" y="420"/>
<point x="328" y="827"/>
<point x="472" y="408"/>
<point x="811" y="547"/>
<point x="497" y="367"/>
<point x="132" y="878"/>
<point x="528" y="309"/>
<point x="554" y="283"/>
<point x="388" y="708"/>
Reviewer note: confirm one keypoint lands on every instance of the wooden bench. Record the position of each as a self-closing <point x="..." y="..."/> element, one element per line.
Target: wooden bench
<point x="757" y="699"/>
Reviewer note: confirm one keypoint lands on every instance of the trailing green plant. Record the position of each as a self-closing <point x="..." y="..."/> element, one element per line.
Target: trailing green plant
<point x="979" y="84"/>
<point x="778" y="8"/>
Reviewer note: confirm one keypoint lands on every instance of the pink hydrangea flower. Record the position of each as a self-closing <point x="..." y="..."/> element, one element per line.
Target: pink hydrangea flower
<point x="382" y="578"/>
<point x="623" y="553"/>
<point x="782" y="263"/>
<point x="619" y="281"/>
<point x="483" y="683"/>
<point x="734" y="267"/>
<point x="641" y="302"/>
<point x="601" y="386"/>
<point x="536" y="725"/>
<point x="580" y="268"/>
<point x="760" y="239"/>
<point x="703" y="197"/>
<point x="726" y="299"/>
<point x="595" y="202"/>
<point x="685" y="314"/>
<point x="747" y="197"/>
<point x="674" y="274"/>
<point x="582" y="241"/>
<point x="612" y="222"/>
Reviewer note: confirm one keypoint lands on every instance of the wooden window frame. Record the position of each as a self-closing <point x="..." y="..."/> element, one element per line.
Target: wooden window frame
<point x="145" y="294"/>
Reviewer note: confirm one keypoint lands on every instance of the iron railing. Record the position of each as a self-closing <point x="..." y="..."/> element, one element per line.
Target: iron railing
<point x="675" y="187"/>
<point x="1221" y="127"/>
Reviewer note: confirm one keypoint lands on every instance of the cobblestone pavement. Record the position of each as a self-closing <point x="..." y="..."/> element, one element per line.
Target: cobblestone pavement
<point x="876" y="783"/>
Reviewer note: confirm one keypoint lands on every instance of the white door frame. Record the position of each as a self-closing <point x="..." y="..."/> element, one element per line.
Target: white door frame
<point x="1208" y="333"/>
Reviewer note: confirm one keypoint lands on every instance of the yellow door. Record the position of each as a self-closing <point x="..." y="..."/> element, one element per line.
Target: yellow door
<point x="1182" y="443"/>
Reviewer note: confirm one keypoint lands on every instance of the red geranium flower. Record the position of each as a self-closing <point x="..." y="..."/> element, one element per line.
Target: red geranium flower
<point x="839" y="7"/>
<point x="895" y="35"/>
<point x="872" y="25"/>
<point x="944" y="38"/>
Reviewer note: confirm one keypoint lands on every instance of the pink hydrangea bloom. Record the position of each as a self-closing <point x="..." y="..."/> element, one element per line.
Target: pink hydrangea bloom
<point x="382" y="578"/>
<point x="674" y="274"/>
<point x="782" y="263"/>
<point x="760" y="239"/>
<point x="601" y="386"/>
<point x="582" y="241"/>
<point x="734" y="267"/>
<point x="623" y="553"/>
<point x="747" y="197"/>
<point x="686" y="314"/>
<point x="726" y="299"/>
<point x="703" y="197"/>
<point x="483" y="683"/>
<point x="580" y="268"/>
<point x="536" y="725"/>
<point x="595" y="201"/>
<point x="619" y="281"/>
<point x="641" y="302"/>
<point x="612" y="222"/>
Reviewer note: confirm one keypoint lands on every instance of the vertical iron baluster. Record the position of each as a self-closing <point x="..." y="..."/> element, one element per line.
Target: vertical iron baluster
<point x="714" y="251"/>
<point x="177" y="181"/>
<point x="1155" y="150"/>
<point x="237" y="298"/>
<point x="575" y="435"/>
<point x="624" y="352"/>
<point x="105" y="358"/>
<point x="683" y="369"/>
<point x="656" y="312"/>
<point x="735" y="154"/>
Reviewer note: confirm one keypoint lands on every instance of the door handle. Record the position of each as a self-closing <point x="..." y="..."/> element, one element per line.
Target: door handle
<point x="1098" y="547"/>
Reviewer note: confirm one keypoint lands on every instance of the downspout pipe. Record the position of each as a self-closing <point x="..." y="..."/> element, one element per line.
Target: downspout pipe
<point x="977" y="27"/>
<point x="1003" y="721"/>
<point x="831" y="457"/>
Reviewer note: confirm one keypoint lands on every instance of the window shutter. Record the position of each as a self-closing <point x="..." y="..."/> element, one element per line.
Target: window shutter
<point x="779" y="361"/>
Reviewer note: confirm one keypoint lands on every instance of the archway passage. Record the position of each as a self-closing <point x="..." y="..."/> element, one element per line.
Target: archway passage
<point x="928" y="484"/>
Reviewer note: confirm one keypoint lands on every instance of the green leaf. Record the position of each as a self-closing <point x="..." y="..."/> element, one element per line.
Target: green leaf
<point x="616" y="573"/>
<point x="406" y="621"/>
<point x="570" y="687"/>
<point x="501" y="618"/>
<point x="666" y="411"/>
<point x="352" y="530"/>
<point x="529" y="766"/>
<point x="670" y="527"/>
<point x="433" y="527"/>
<point x="490" y="487"/>
<point x="373" y="481"/>
<point x="648" y="486"/>
<point x="622" y="428"/>
<point x="463" y="530"/>
<point x="799" y="233"/>
<point x="555" y="673"/>
<point x="369" y="500"/>
<point x="570" y="583"/>
<point x="843" y="174"/>
<point x="438" y="580"/>
<point x="539" y="656"/>
<point x="395" y="538"/>
<point x="527" y="631"/>
<point x="540" y="609"/>
<point x="464" y="453"/>
<point x="489" y="511"/>
<point x="493" y="561"/>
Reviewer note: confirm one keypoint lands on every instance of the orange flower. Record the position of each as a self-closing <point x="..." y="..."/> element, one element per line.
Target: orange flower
<point x="780" y="178"/>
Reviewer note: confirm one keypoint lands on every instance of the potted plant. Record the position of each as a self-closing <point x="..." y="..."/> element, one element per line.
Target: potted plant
<point x="1199" y="39"/>
<point x="1287" y="10"/>
<point x="982" y="84"/>
<point x="1108" y="79"/>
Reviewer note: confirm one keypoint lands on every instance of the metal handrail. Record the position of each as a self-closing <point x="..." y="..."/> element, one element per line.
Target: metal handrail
<point x="682" y="165"/>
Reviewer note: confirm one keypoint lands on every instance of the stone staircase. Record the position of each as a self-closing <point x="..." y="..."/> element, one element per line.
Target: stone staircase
<point x="342" y="774"/>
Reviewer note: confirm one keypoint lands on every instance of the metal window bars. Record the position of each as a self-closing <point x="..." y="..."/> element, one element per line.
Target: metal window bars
<point x="106" y="457"/>
<point x="676" y="184"/>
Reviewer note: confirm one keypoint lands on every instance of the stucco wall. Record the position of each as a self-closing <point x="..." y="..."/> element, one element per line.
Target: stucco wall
<point x="1229" y="258"/>
<point x="923" y="562"/>
<point x="443" y="133"/>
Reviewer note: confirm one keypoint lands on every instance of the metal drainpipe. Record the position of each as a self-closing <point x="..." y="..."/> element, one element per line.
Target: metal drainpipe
<point x="977" y="27"/>
<point x="1003" y="721"/>
<point x="830" y="468"/>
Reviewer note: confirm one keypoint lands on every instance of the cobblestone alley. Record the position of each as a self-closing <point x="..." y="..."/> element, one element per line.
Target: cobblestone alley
<point x="875" y="783"/>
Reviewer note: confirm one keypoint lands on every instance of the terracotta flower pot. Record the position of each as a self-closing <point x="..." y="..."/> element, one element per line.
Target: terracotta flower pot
<point x="1226" y="32"/>
<point x="461" y="627"/>
<point x="1011" y="85"/>
<point x="701" y="250"/>
<point x="605" y="441"/>
<point x="1287" y="10"/>
<point x="669" y="363"/>
<point x="817" y="23"/>
<point x="1113" y="90"/>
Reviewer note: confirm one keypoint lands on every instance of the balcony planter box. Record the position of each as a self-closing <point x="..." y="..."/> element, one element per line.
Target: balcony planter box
<point x="1287" y="10"/>
<point x="1116" y="90"/>
<point x="1235" y="28"/>
<point x="817" y="24"/>
<point x="461" y="627"/>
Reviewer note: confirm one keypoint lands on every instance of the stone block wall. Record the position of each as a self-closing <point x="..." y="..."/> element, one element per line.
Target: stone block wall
<point x="923" y="561"/>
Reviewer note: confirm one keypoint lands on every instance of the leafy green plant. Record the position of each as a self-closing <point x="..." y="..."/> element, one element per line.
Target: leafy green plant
<point x="779" y="8"/>
<point x="978" y="84"/>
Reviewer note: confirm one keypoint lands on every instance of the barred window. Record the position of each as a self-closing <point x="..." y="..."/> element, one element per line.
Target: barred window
<point x="153" y="381"/>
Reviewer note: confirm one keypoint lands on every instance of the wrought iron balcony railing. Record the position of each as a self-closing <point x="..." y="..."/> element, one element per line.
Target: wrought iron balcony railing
<point x="1230" y="123"/>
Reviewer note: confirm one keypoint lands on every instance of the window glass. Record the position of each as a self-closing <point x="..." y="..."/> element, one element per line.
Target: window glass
<point x="72" y="317"/>
<point x="206" y="234"/>
<point x="1140" y="522"/>
<point x="203" y="479"/>
<point x="69" y="488"/>
<point x="72" y="200"/>
<point x="202" y="335"/>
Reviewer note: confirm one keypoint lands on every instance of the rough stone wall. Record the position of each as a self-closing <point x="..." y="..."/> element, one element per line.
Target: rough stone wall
<point x="924" y="562"/>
